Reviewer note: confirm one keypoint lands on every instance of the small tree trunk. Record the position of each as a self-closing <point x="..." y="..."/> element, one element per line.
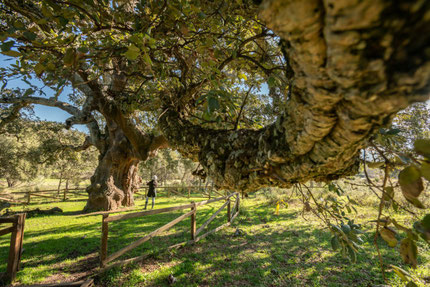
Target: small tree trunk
<point x="10" y="182"/>
<point x="66" y="190"/>
<point x="59" y="183"/>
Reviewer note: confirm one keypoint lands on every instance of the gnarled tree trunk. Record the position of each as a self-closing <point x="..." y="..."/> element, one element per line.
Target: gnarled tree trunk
<point x="121" y="147"/>
<point x="116" y="178"/>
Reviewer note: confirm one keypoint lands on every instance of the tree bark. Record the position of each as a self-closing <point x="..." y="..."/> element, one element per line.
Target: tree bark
<point x="354" y="65"/>
<point x="116" y="178"/>
<point x="60" y="181"/>
<point x="10" y="182"/>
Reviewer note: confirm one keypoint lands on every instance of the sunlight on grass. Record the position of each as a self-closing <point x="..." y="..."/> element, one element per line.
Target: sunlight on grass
<point x="270" y="250"/>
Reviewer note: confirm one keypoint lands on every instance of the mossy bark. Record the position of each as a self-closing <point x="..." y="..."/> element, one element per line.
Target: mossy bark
<point x="354" y="64"/>
<point x="116" y="178"/>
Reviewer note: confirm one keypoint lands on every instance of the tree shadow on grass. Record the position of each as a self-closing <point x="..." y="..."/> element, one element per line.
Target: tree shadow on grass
<point x="272" y="255"/>
<point x="266" y="253"/>
<point x="72" y="243"/>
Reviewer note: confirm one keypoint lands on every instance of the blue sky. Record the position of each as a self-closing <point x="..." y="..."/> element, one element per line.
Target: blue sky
<point x="43" y="112"/>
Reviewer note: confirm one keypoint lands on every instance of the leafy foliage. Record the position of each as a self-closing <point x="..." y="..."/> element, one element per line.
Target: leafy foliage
<point x="31" y="149"/>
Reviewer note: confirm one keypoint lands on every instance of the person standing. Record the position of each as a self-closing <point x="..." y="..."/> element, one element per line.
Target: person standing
<point x="151" y="191"/>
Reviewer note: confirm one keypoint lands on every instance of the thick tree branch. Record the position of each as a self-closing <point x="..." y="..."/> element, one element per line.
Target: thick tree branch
<point x="13" y="114"/>
<point x="353" y="70"/>
<point x="42" y="101"/>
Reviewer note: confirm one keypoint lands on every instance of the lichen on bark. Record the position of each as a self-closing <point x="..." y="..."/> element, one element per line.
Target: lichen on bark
<point x="355" y="64"/>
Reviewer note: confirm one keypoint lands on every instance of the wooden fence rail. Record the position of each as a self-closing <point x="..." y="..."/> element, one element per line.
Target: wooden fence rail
<point x="105" y="258"/>
<point x="27" y="197"/>
<point x="15" y="250"/>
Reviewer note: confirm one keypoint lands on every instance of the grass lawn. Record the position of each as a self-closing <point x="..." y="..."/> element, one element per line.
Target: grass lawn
<point x="268" y="250"/>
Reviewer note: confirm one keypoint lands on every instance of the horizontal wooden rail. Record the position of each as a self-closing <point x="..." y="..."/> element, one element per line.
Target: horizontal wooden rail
<point x="234" y="216"/>
<point x="47" y="190"/>
<point x="106" y="212"/>
<point x="146" y="238"/>
<point x="213" y="200"/>
<point x="146" y="212"/>
<point x="44" y="196"/>
<point x="188" y="187"/>
<point x="212" y="217"/>
<point x="8" y="199"/>
<point x="9" y="219"/>
<point x="6" y="230"/>
<point x="105" y="259"/>
<point x="211" y="231"/>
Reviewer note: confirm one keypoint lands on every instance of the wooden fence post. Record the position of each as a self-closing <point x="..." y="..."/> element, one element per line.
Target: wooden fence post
<point x="28" y="197"/>
<point x="238" y="202"/>
<point x="64" y="194"/>
<point x="229" y="210"/>
<point x="67" y="189"/>
<point x="105" y="232"/>
<point x="193" y="221"/>
<point x="15" y="246"/>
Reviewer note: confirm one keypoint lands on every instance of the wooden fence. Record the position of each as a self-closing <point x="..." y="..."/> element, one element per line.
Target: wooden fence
<point x="15" y="250"/>
<point x="29" y="196"/>
<point x="194" y="232"/>
<point x="182" y="190"/>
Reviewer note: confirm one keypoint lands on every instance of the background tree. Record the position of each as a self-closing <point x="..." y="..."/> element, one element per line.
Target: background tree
<point x="169" y="165"/>
<point x="336" y="72"/>
<point x="39" y="148"/>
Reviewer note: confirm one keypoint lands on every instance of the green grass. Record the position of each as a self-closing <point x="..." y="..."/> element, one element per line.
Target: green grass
<point x="271" y="250"/>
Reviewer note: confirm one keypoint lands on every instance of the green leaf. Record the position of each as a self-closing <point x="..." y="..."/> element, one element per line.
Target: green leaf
<point x="352" y="254"/>
<point x="411" y="284"/>
<point x="69" y="57"/>
<point x="39" y="69"/>
<point x="411" y="184"/>
<point x="271" y="82"/>
<point x="403" y="274"/>
<point x="202" y="15"/>
<point x="132" y="53"/>
<point x="147" y="59"/>
<point x="18" y="25"/>
<point x="28" y="92"/>
<point x="63" y="21"/>
<point x="6" y="46"/>
<point x="346" y="228"/>
<point x="388" y="193"/>
<point x="243" y="76"/>
<point x="12" y="53"/>
<point x="395" y="206"/>
<point x="416" y="202"/>
<point x="393" y="131"/>
<point x="422" y="147"/>
<point x="213" y="104"/>
<point x="389" y="236"/>
<point x="30" y="36"/>
<point x="152" y="43"/>
<point x="426" y="222"/>
<point x="425" y="170"/>
<point x="375" y="164"/>
<point x="409" y="251"/>
<point x="83" y="50"/>
<point x="335" y="243"/>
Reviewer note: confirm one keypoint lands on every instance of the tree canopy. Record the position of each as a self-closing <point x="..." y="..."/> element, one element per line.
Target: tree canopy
<point x="193" y="75"/>
<point x="33" y="148"/>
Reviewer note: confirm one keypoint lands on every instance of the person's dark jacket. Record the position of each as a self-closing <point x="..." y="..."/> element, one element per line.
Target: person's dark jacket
<point x="151" y="190"/>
